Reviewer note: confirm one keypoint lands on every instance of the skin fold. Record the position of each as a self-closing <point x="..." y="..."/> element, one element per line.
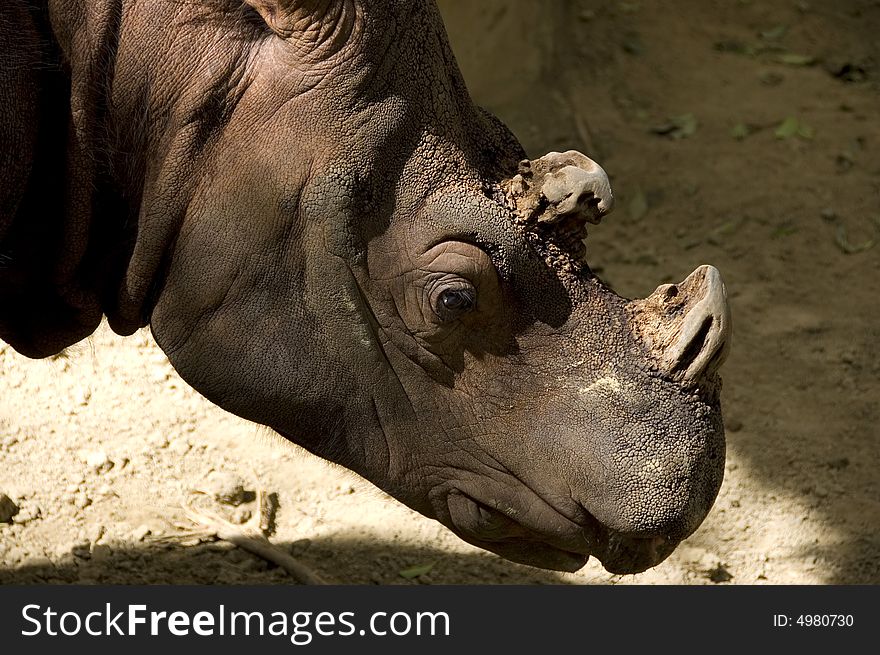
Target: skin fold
<point x="327" y="236"/>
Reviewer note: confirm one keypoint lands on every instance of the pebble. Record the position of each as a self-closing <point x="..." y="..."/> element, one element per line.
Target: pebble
<point x="81" y="500"/>
<point x="140" y="533"/>
<point x="28" y="513"/>
<point x="98" y="461"/>
<point x="241" y="515"/>
<point x="719" y="574"/>
<point x="227" y="488"/>
<point x="8" y="509"/>
<point x="180" y="447"/>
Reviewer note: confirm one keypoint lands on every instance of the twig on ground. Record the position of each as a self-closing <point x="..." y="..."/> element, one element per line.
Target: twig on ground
<point x="250" y="537"/>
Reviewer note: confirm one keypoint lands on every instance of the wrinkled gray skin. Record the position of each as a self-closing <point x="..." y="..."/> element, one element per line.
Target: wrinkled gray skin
<point x="302" y="201"/>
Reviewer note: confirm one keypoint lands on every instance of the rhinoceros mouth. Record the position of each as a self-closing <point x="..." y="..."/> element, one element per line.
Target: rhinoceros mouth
<point x="492" y="530"/>
<point x="567" y="550"/>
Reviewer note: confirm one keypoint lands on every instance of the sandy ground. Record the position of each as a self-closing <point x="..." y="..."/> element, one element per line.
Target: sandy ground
<point x="687" y="111"/>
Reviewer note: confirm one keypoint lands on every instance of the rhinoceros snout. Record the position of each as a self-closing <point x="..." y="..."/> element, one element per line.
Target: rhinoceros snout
<point x="686" y="327"/>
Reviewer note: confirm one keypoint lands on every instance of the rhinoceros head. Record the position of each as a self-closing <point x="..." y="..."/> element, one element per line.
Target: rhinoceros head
<point x="329" y="238"/>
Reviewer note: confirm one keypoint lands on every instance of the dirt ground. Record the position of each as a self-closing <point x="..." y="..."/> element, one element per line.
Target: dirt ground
<point x="744" y="134"/>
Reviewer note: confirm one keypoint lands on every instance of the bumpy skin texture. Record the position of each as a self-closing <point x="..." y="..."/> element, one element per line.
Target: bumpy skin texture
<point x="301" y="199"/>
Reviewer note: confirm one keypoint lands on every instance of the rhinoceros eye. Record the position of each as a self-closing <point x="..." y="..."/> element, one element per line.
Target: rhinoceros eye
<point x="452" y="302"/>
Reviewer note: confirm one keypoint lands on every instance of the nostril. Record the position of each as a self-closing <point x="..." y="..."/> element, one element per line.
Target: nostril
<point x="697" y="344"/>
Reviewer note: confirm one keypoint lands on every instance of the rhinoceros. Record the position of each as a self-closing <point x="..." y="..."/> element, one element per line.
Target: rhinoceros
<point x="328" y="237"/>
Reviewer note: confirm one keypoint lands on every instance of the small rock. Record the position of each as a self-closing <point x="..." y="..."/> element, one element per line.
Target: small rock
<point x="140" y="533"/>
<point x="8" y="509"/>
<point x="241" y="515"/>
<point x="81" y="500"/>
<point x="228" y="488"/>
<point x="98" y="461"/>
<point x="180" y="447"/>
<point x="828" y="214"/>
<point x="28" y="513"/>
<point x="719" y="574"/>
<point x="61" y="551"/>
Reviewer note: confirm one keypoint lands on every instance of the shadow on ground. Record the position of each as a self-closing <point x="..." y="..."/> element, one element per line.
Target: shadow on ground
<point x="221" y="563"/>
